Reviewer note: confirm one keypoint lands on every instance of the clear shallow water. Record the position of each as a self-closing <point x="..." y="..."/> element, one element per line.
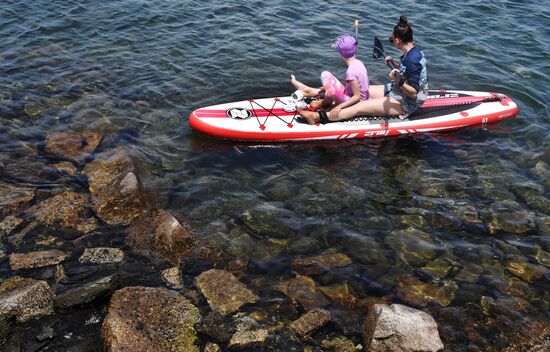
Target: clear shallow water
<point x="137" y="69"/>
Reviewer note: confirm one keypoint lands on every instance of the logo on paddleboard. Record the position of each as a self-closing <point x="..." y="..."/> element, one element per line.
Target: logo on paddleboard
<point x="239" y="113"/>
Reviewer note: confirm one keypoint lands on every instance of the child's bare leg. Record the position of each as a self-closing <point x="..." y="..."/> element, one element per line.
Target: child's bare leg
<point x="307" y="90"/>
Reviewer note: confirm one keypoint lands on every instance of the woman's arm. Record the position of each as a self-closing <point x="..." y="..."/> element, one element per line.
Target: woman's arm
<point x="354" y="99"/>
<point x="407" y="88"/>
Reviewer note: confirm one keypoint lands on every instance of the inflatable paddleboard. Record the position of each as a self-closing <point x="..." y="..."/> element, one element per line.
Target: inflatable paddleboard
<point x="265" y="119"/>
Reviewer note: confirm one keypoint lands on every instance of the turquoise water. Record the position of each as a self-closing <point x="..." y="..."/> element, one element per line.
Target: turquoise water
<point x="423" y="207"/>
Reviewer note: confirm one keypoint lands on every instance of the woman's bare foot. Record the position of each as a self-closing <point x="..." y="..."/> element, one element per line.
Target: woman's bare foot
<point x="312" y="117"/>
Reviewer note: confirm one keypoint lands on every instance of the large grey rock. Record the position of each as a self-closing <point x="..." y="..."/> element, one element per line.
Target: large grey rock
<point x="400" y="328"/>
<point x="150" y="319"/>
<point x="159" y="235"/>
<point x="224" y="293"/>
<point x="25" y="299"/>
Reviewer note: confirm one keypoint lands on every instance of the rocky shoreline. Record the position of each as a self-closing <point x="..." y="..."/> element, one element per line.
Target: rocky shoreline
<point x="158" y="287"/>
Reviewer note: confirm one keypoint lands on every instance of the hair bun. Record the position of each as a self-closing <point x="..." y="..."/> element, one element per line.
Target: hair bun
<point x="403" y="21"/>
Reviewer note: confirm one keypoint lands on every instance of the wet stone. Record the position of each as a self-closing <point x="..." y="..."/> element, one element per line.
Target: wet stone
<point x="224" y="293"/>
<point x="269" y="220"/>
<point x="218" y="326"/>
<point x="413" y="246"/>
<point x="419" y="293"/>
<point x="73" y="145"/>
<point x="70" y="210"/>
<point x="14" y="199"/>
<point x="88" y="292"/>
<point x="66" y="167"/>
<point x="150" y="319"/>
<point x="101" y="255"/>
<point x="37" y="259"/>
<point x="159" y="235"/>
<point x="212" y="347"/>
<point x="400" y="328"/>
<point x="520" y="267"/>
<point x="320" y="264"/>
<point x="172" y="278"/>
<point x="25" y="299"/>
<point x="9" y="224"/>
<point x="510" y="216"/>
<point x="309" y="322"/>
<point x="304" y="290"/>
<point x="248" y="339"/>
<point x="339" y="293"/>
<point x="341" y="344"/>
<point x="469" y="273"/>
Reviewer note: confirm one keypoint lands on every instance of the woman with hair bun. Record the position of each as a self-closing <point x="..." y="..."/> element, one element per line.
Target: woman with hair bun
<point x="402" y="96"/>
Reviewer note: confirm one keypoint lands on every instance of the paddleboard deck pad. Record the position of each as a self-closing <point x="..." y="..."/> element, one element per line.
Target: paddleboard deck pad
<point x="265" y="120"/>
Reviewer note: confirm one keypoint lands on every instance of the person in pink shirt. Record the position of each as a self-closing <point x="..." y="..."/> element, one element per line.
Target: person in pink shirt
<point x="337" y="96"/>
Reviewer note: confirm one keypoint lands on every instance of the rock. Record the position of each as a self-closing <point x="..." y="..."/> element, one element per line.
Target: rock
<point x="218" y="326"/>
<point x="304" y="290"/>
<point x="25" y="299"/>
<point x="522" y="268"/>
<point x="9" y="224"/>
<point x="159" y="235"/>
<point x="309" y="322"/>
<point x="320" y="264"/>
<point x="118" y="197"/>
<point x="341" y="344"/>
<point x="73" y="145"/>
<point x="339" y="293"/>
<point x="87" y="292"/>
<point x="66" y="167"/>
<point x="33" y="109"/>
<point x="269" y="220"/>
<point x="101" y="255"/>
<point x="224" y="293"/>
<point x="247" y="339"/>
<point x="413" y="246"/>
<point x="150" y="319"/>
<point x="172" y="278"/>
<point x="212" y="347"/>
<point x="400" y="328"/>
<point x="510" y="216"/>
<point x="68" y="210"/>
<point x="37" y="259"/>
<point x="419" y="293"/>
<point x="14" y="199"/>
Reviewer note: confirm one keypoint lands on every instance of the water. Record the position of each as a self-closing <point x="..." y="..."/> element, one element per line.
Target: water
<point x="139" y="68"/>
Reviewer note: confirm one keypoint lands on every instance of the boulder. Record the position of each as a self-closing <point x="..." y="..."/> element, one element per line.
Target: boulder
<point x="150" y="319"/>
<point x="14" y="199"/>
<point x="400" y="328"/>
<point x="70" y="210"/>
<point x="118" y="196"/>
<point x="309" y="322"/>
<point x="159" y="235"/>
<point x="247" y="339"/>
<point x="87" y="292"/>
<point x="25" y="299"/>
<point x="224" y="293"/>
<point x="101" y="255"/>
<point x="320" y="264"/>
<point x="37" y="259"/>
<point x="73" y="145"/>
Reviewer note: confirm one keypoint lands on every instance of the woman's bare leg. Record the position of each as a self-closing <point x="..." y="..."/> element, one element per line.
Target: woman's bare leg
<point x="376" y="91"/>
<point x="307" y="90"/>
<point x="385" y="106"/>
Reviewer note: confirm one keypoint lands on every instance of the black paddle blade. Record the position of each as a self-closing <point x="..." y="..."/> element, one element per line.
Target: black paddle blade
<point x="378" y="50"/>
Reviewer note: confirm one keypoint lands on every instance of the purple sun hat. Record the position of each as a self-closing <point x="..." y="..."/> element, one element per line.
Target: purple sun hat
<point x="346" y="45"/>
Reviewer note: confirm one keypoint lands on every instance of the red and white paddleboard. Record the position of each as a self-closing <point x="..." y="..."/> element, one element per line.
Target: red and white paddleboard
<point x="265" y="119"/>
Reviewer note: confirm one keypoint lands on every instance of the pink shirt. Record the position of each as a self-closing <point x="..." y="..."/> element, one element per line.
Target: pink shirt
<point x="357" y="72"/>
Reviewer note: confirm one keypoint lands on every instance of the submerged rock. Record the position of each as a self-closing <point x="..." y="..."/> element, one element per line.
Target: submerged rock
<point x="309" y="322"/>
<point x="37" y="259"/>
<point x="150" y="319"/>
<point x="73" y="145"/>
<point x="304" y="290"/>
<point x="88" y="292"/>
<point x="159" y="235"/>
<point x="218" y="326"/>
<point x="510" y="216"/>
<point x="247" y="339"/>
<point x="118" y="196"/>
<point x="66" y="167"/>
<point x="9" y="224"/>
<point x="14" y="199"/>
<point x="413" y="246"/>
<point x="269" y="220"/>
<point x="25" y="299"/>
<point x="419" y="293"/>
<point x="101" y="255"/>
<point x="320" y="264"/>
<point x="400" y="328"/>
<point x="68" y="210"/>
<point x="224" y="293"/>
<point x="172" y="278"/>
<point x="520" y="267"/>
